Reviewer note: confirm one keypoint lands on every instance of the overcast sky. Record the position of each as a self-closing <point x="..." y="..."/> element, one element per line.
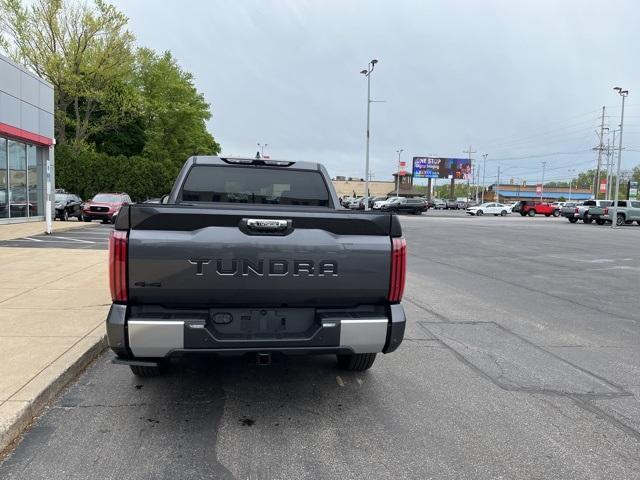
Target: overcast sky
<point x="510" y="78"/>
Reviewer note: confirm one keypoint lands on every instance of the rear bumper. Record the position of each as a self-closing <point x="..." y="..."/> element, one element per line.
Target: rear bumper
<point x="147" y="338"/>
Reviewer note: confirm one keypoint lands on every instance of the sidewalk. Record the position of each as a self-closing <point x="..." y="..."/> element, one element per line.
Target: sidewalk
<point x="53" y="303"/>
<point x="10" y="231"/>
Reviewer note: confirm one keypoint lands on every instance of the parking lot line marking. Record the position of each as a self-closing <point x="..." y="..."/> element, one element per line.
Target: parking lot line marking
<point x="29" y="238"/>
<point x="339" y="381"/>
<point x="73" y="239"/>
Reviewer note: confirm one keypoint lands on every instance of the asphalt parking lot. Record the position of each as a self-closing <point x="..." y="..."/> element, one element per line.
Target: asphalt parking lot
<point x="520" y="361"/>
<point x="94" y="236"/>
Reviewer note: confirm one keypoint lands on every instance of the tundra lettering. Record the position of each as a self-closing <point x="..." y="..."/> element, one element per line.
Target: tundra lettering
<point x="276" y="268"/>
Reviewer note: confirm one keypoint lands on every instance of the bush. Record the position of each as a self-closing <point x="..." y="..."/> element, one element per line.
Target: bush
<point x="86" y="172"/>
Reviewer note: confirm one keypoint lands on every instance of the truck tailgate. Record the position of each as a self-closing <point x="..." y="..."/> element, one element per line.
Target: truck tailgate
<point x="220" y="256"/>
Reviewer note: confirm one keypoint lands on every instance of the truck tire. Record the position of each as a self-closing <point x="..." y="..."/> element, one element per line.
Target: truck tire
<point x="547" y="214"/>
<point x="599" y="221"/>
<point x="532" y="213"/>
<point x="556" y="213"/>
<point x="573" y="220"/>
<point x="357" y="362"/>
<point x="587" y="219"/>
<point x="620" y="220"/>
<point x="140" y="371"/>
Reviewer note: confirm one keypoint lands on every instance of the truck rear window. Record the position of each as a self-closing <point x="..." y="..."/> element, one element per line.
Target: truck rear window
<point x="256" y="185"/>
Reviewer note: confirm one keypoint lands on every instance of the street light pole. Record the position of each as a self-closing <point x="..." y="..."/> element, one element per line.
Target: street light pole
<point x="544" y="164"/>
<point x="262" y="147"/>
<point x="484" y="170"/>
<point x="399" y="152"/>
<point x="614" y="216"/>
<point x="571" y="171"/>
<point x="367" y="73"/>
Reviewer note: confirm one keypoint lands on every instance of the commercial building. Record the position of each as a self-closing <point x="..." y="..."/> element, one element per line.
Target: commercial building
<point x="514" y="193"/>
<point x="350" y="186"/>
<point x="26" y="143"/>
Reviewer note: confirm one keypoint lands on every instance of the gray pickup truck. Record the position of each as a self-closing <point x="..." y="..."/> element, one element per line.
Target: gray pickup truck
<point x="626" y="212"/>
<point x="583" y="211"/>
<point x="254" y="257"/>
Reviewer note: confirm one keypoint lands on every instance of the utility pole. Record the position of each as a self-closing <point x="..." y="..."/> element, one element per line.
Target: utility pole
<point x="614" y="216"/>
<point x="600" y="148"/>
<point x="471" y="163"/>
<point x="484" y="170"/>
<point x="544" y="164"/>
<point x="497" y="196"/>
<point x="367" y="73"/>
<point x="399" y="152"/>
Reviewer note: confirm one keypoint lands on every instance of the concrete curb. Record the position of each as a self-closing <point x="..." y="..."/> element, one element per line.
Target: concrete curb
<point x="12" y="427"/>
<point x="10" y="231"/>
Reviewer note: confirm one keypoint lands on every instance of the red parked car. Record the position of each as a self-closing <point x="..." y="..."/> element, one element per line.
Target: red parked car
<point x="533" y="208"/>
<point x="105" y="207"/>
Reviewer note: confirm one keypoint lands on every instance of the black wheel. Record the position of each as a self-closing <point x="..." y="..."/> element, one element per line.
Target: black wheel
<point x="479" y="213"/>
<point x="556" y="213"/>
<point x="80" y="217"/>
<point x="620" y="220"/>
<point x="547" y="214"/>
<point x="587" y="219"/>
<point x="357" y="362"/>
<point x="503" y="213"/>
<point x="599" y="221"/>
<point x="573" y="219"/>
<point x="522" y="214"/>
<point x="532" y="213"/>
<point x="418" y="212"/>
<point x="140" y="371"/>
<point x="65" y="216"/>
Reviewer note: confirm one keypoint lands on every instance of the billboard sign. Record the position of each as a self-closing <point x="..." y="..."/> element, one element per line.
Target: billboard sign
<point x="439" y="167"/>
<point x="539" y="189"/>
<point x="633" y="190"/>
<point x="603" y="185"/>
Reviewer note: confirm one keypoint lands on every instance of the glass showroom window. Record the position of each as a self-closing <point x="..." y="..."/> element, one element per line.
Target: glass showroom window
<point x="4" y="180"/>
<point x="18" y="205"/>
<point x="34" y="182"/>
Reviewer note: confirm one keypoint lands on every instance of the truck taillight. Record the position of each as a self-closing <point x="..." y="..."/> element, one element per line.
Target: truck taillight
<point x="577" y="210"/>
<point x="118" y="265"/>
<point x="398" y="269"/>
<point x="606" y="211"/>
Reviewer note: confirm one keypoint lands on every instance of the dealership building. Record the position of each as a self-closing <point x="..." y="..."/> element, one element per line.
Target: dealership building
<point x="26" y="143"/>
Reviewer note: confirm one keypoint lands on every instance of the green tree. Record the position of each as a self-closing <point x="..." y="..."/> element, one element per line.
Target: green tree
<point x="84" y="50"/>
<point x="173" y="111"/>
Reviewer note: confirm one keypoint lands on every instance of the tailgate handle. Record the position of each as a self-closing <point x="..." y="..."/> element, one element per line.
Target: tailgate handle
<point x="267" y="224"/>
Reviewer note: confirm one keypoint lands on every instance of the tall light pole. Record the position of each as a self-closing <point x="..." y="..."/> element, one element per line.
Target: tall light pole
<point x="544" y="164"/>
<point x="262" y="147"/>
<point x="610" y="166"/>
<point x="571" y="172"/>
<point x="614" y="216"/>
<point x="484" y="170"/>
<point x="399" y="152"/>
<point x="367" y="73"/>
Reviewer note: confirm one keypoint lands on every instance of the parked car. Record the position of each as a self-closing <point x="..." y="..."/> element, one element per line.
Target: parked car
<point x="582" y="211"/>
<point x="356" y="203"/>
<point x="375" y="200"/>
<point x="257" y="279"/>
<point x="68" y="205"/>
<point x="407" y="205"/>
<point x="488" y="208"/>
<point x="105" y="207"/>
<point x="345" y="201"/>
<point x="439" y="204"/>
<point x="531" y="208"/>
<point x="452" y="204"/>
<point x="378" y="204"/>
<point x="627" y="211"/>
